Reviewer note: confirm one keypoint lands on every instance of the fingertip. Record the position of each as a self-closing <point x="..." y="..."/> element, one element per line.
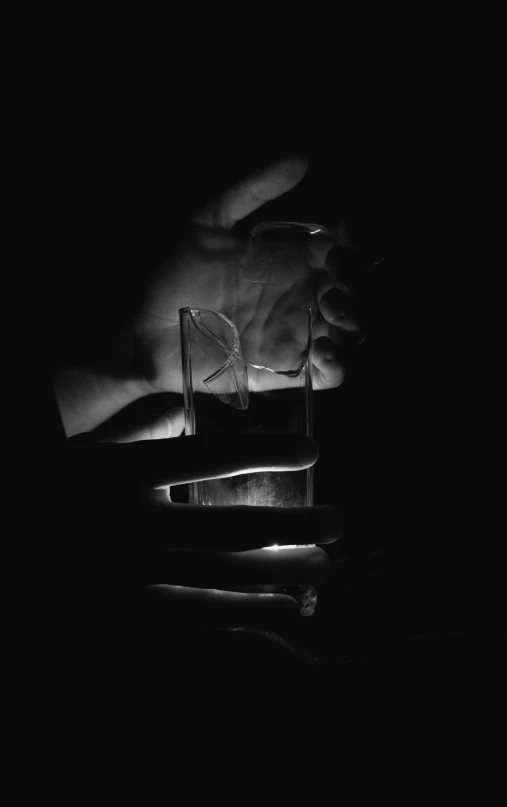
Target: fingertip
<point x="307" y="451"/>
<point x="291" y="452"/>
<point x="318" y="567"/>
<point x="287" y="604"/>
<point x="296" y="166"/>
<point x="331" y="523"/>
<point x="328" y="362"/>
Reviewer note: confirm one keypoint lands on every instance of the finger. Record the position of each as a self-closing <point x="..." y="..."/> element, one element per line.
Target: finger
<point x="240" y="528"/>
<point x="214" y="456"/>
<point x="251" y="193"/>
<point x="160" y="463"/>
<point x="167" y="425"/>
<point x="319" y="248"/>
<point x="302" y="565"/>
<point x="214" y="606"/>
<point x="339" y="310"/>
<point x="328" y="364"/>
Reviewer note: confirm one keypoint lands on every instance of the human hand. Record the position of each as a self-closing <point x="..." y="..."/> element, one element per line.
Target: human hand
<point x="215" y="267"/>
<point x="177" y="557"/>
<point x="212" y="268"/>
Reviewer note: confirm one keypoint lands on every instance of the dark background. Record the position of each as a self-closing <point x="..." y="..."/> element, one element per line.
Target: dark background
<point x="128" y="168"/>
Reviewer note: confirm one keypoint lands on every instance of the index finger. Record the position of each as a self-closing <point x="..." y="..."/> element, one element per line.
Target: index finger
<point x="251" y="193"/>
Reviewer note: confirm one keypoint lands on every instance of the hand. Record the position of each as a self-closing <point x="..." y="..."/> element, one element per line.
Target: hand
<point x="132" y="537"/>
<point x="289" y="272"/>
<point x="209" y="270"/>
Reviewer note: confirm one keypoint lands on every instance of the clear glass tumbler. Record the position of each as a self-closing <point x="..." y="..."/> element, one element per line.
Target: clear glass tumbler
<point x="249" y="371"/>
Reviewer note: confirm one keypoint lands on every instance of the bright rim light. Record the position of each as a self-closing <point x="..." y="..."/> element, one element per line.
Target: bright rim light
<point x="276" y="548"/>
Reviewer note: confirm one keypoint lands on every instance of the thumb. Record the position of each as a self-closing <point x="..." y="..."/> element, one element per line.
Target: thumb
<point x="159" y="427"/>
<point x="251" y="193"/>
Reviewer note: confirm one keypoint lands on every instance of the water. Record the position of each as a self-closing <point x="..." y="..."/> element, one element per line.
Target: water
<point x="281" y="411"/>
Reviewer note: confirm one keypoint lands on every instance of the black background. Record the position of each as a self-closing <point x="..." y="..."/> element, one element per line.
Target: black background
<point x="129" y="164"/>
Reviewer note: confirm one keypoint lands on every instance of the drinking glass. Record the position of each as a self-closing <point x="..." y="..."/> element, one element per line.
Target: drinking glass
<point x="248" y="370"/>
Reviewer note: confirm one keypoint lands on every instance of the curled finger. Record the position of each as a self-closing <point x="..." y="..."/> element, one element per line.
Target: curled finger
<point x="328" y="363"/>
<point x="219" y="607"/>
<point x="239" y="528"/>
<point x="302" y="565"/>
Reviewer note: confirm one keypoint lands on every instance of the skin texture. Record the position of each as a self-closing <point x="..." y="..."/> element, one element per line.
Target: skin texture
<point x="265" y="288"/>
